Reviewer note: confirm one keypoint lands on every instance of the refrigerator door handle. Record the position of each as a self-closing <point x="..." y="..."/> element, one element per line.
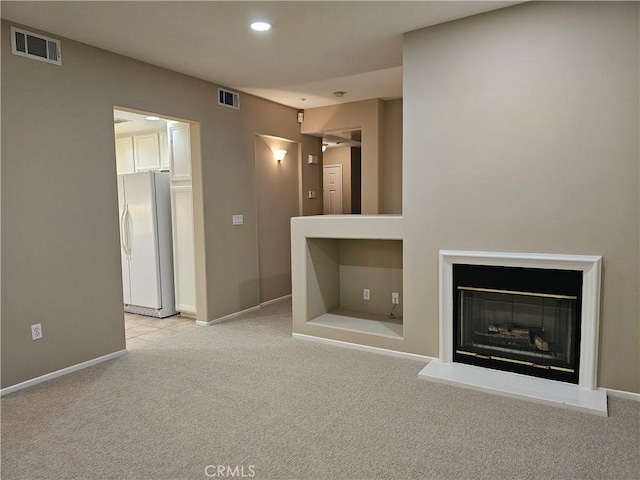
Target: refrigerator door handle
<point x="129" y="231"/>
<point x="122" y="240"/>
<point x="124" y="232"/>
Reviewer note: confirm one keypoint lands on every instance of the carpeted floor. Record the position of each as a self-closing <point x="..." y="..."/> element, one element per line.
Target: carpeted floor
<point x="244" y="400"/>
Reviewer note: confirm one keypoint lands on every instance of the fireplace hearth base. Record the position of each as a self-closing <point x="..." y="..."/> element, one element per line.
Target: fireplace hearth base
<point x="538" y="390"/>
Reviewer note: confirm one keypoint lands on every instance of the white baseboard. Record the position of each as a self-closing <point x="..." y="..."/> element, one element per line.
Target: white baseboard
<point x="204" y="323"/>
<point x="622" y="394"/>
<point x="275" y="300"/>
<point x="364" y="348"/>
<point x="59" y="373"/>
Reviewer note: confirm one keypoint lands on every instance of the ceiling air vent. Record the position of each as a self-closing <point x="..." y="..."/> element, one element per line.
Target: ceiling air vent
<point x="227" y="98"/>
<point x="35" y="46"/>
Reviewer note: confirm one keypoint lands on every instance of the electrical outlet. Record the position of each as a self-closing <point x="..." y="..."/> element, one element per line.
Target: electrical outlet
<point x="395" y="298"/>
<point x="36" y="331"/>
<point x="366" y="294"/>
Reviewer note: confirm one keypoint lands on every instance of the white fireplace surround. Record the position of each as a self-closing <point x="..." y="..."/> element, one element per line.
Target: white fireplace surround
<point x="584" y="396"/>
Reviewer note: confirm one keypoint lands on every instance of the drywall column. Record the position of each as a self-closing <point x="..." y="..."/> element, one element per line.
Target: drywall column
<point x="367" y="116"/>
<point x="393" y="156"/>
<point x="311" y="175"/>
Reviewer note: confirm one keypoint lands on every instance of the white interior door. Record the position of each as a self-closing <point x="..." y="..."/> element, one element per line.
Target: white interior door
<point x="332" y="189"/>
<point x="144" y="267"/>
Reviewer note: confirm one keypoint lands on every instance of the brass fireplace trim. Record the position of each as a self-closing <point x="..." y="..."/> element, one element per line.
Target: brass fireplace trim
<point x="513" y="360"/>
<point x="514" y="292"/>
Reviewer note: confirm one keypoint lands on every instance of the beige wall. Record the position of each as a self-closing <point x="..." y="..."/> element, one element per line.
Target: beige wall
<point x="392" y="156"/>
<point x="367" y="116"/>
<point x="341" y="156"/>
<point x="372" y="264"/>
<point x="311" y="175"/>
<point x="522" y="134"/>
<point x="277" y="201"/>
<point x="60" y="239"/>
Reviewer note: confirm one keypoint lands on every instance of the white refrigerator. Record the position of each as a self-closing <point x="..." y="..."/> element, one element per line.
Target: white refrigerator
<point x="145" y="240"/>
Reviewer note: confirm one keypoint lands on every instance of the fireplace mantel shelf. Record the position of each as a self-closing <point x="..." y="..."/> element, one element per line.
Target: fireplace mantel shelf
<point x="508" y="384"/>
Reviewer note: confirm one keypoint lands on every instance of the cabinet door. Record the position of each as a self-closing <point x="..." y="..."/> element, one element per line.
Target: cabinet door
<point x="147" y="152"/>
<point x="124" y="155"/>
<point x="180" y="155"/>
<point x="183" y="249"/>
<point x="163" y="138"/>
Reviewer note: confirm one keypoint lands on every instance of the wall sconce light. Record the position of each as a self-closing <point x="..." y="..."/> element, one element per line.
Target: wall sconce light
<point x="324" y="147"/>
<point x="279" y="155"/>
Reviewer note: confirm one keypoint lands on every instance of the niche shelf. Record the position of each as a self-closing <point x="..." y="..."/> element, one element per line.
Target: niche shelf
<point x="339" y="269"/>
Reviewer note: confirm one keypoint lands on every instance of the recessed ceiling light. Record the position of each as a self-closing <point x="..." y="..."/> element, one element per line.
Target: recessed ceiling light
<point x="152" y="118"/>
<point x="260" y="26"/>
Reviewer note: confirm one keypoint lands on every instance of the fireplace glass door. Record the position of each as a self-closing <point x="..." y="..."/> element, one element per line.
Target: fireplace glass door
<point x="521" y="331"/>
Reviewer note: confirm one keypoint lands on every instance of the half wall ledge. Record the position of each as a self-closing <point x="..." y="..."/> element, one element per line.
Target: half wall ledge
<point x="335" y="258"/>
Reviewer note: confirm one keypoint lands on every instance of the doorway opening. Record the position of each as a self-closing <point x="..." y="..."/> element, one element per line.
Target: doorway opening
<point x="156" y="220"/>
<point x="342" y="172"/>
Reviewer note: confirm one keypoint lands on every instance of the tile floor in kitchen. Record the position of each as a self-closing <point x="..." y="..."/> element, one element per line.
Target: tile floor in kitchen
<point x="141" y="330"/>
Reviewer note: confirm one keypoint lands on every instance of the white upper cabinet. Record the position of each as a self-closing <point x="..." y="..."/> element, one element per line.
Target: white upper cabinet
<point x="180" y="151"/>
<point x="163" y="138"/>
<point x="147" y="152"/>
<point x="124" y="155"/>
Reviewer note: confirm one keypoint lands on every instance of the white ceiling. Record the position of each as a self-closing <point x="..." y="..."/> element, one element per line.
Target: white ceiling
<point x="313" y="49"/>
<point x="136" y="122"/>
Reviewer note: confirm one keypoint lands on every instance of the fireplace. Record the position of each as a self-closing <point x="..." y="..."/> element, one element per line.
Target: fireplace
<point x="524" y="325"/>
<point x="523" y="320"/>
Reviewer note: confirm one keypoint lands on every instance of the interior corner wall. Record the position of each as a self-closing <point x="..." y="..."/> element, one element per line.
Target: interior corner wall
<point x="392" y="163"/>
<point x="341" y="156"/>
<point x="522" y="135"/>
<point x="367" y="116"/>
<point x="60" y="235"/>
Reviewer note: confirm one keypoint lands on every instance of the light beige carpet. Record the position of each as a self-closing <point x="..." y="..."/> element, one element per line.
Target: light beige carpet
<point x="246" y="397"/>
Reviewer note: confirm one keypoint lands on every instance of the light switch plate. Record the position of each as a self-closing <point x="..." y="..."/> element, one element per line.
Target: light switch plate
<point x="238" y="219"/>
<point x="312" y="194"/>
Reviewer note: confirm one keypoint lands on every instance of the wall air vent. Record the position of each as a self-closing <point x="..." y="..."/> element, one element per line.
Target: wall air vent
<point x="227" y="98"/>
<point x="35" y="46"/>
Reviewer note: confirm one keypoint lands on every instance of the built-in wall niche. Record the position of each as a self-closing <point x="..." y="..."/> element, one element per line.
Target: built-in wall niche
<point x="338" y="273"/>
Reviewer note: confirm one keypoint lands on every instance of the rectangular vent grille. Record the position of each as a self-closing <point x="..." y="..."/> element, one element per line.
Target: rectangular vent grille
<point x="227" y="98"/>
<point x="35" y="46"/>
